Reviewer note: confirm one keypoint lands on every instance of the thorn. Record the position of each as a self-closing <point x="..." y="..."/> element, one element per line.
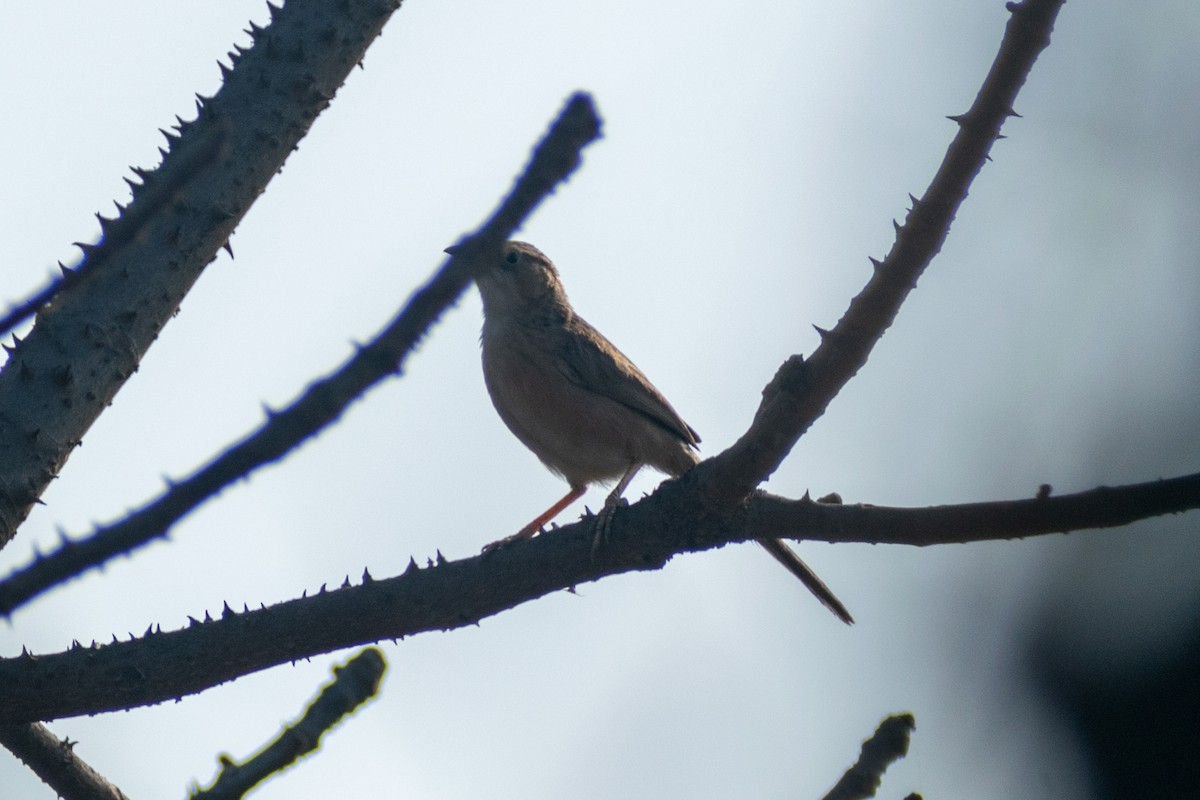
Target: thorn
<point x="149" y="630"/>
<point x="207" y="616"/>
<point x="1013" y="113"/>
<point x="192" y="621"/>
<point x="228" y="248"/>
<point x="896" y="225"/>
<point x="441" y="559"/>
<point x="226" y="611"/>
<point x="345" y="583"/>
<point x="366" y="577"/>
<point x="807" y="498"/>
<point x="412" y="566"/>
<point x="876" y="264"/>
<point x="915" y="202"/>
<point x="822" y="332"/>
<point x="322" y="590"/>
<point x="958" y="119"/>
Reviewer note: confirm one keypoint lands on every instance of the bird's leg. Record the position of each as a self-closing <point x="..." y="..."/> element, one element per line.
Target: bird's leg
<point x="614" y="499"/>
<point x="533" y="527"/>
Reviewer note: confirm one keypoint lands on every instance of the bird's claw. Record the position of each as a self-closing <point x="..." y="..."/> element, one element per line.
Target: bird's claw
<point x="603" y="523"/>
<point x="500" y="544"/>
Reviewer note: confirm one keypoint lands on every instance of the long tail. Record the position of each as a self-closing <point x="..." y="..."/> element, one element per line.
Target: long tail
<point x="786" y="556"/>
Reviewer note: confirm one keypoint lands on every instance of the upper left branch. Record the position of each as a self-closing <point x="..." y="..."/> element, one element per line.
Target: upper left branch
<point x="92" y="336"/>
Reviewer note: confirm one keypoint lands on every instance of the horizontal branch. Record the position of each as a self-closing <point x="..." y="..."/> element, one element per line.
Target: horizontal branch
<point x="553" y="160"/>
<point x="452" y="594"/>
<point x="1102" y="507"/>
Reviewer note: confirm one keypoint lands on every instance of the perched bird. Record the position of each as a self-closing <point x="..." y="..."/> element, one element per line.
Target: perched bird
<point x="576" y="401"/>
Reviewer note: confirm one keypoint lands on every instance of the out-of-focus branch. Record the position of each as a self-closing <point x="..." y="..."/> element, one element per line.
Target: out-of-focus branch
<point x="553" y="160"/>
<point x="353" y="684"/>
<point x="152" y="197"/>
<point x="801" y="390"/>
<point x="452" y="594"/>
<point x="55" y="762"/>
<point x="888" y="744"/>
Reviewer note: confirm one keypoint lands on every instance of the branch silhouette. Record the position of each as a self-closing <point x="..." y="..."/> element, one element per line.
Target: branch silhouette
<point x="87" y="342"/>
<point x="446" y="595"/>
<point x="353" y="684"/>
<point x="553" y="160"/>
<point x="802" y="389"/>
<point x="54" y="761"/>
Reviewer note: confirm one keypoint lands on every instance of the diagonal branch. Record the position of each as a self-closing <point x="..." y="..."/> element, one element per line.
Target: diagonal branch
<point x="87" y="342"/>
<point x="453" y="594"/>
<point x="889" y="743"/>
<point x="801" y="390"/>
<point x="55" y="762"/>
<point x="353" y="684"/>
<point x="553" y="160"/>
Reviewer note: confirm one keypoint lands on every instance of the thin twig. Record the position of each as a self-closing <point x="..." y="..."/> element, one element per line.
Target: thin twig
<point x="1094" y="509"/>
<point x="801" y="390"/>
<point x="888" y="744"/>
<point x="353" y="684"/>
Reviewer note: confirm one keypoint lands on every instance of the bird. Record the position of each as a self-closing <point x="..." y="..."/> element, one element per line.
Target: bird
<point x="575" y="400"/>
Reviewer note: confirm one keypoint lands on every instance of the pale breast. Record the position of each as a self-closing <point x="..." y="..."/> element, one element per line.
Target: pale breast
<point x="583" y="436"/>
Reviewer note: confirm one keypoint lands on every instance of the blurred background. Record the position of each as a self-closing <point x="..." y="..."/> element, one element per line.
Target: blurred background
<point x="753" y="158"/>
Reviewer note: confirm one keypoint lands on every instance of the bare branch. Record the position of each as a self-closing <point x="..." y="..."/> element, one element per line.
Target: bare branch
<point x="86" y="344"/>
<point x="353" y="684"/>
<point x="55" y="762"/>
<point x="801" y="390"/>
<point x="554" y="159"/>
<point x="1102" y="507"/>
<point x="452" y="594"/>
<point x="888" y="744"/>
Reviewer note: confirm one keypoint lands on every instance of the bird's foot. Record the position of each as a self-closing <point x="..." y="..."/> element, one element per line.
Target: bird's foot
<point x="603" y="523"/>
<point x="527" y="532"/>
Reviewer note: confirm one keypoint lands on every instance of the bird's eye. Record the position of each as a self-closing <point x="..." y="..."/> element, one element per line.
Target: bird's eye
<point x="511" y="258"/>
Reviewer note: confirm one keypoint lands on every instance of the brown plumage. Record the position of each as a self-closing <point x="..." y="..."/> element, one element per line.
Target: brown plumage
<point x="576" y="401"/>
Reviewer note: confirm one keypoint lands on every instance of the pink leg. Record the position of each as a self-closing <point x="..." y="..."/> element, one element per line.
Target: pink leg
<point x="550" y="513"/>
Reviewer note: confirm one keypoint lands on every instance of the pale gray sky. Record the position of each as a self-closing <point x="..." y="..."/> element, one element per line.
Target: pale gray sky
<point x="753" y="157"/>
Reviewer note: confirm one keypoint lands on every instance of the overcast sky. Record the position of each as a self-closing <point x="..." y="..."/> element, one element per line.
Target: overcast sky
<point x="753" y="158"/>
